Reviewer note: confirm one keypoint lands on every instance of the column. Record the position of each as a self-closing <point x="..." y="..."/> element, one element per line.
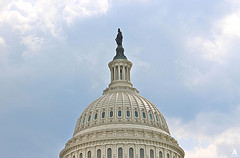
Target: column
<point x="111" y="70"/>
<point x="123" y="73"/>
<point x="118" y="72"/>
<point x="163" y="153"/>
<point x="127" y="73"/>
<point x="114" y="73"/>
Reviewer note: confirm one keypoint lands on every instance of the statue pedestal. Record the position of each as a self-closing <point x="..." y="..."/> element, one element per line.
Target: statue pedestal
<point x="120" y="53"/>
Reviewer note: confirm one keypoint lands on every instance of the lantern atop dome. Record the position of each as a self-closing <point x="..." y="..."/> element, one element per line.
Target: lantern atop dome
<point x="120" y="69"/>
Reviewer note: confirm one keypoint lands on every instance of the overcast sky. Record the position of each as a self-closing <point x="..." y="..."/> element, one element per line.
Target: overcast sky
<point x="54" y="56"/>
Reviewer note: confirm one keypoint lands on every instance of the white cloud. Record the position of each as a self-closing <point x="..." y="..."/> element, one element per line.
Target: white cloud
<point x="34" y="43"/>
<point x="224" y="31"/>
<point x="19" y="15"/>
<point x="3" y="52"/>
<point x="79" y="9"/>
<point x="24" y="15"/>
<point x="221" y="146"/>
<point x="210" y="58"/>
<point x="42" y="18"/>
<point x="200" y="152"/>
<point x="231" y="25"/>
<point x="213" y="50"/>
<point x="2" y="42"/>
<point x="214" y="134"/>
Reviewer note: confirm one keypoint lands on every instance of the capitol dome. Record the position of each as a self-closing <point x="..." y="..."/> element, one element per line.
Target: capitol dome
<point x="121" y="107"/>
<point x="121" y="123"/>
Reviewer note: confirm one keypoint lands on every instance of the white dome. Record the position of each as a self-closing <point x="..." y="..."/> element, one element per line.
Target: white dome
<point x="121" y="107"/>
<point x="121" y="123"/>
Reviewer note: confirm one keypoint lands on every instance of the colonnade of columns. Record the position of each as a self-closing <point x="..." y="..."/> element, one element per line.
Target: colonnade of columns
<point x="120" y="72"/>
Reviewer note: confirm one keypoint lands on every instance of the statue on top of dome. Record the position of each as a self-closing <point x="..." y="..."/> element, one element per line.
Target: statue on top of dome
<point x="119" y="49"/>
<point x="119" y="38"/>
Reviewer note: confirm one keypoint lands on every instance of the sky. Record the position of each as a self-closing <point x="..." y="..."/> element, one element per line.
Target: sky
<point x="53" y="64"/>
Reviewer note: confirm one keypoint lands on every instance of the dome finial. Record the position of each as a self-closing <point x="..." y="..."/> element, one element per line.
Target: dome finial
<point x="119" y="49"/>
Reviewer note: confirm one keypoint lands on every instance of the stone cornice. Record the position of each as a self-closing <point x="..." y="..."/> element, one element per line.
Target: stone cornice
<point x="123" y="135"/>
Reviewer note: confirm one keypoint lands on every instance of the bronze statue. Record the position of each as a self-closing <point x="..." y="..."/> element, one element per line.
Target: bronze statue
<point x="119" y="38"/>
<point x="119" y="49"/>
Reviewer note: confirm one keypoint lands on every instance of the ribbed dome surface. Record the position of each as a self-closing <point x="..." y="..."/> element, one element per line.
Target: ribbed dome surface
<point x="121" y="107"/>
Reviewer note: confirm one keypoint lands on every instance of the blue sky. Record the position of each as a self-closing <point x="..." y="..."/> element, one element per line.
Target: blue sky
<point x="54" y="56"/>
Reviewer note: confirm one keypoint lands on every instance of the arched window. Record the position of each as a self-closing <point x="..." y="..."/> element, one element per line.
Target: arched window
<point x="80" y="156"/>
<point x="109" y="153"/>
<point x="157" y="118"/>
<point x="130" y="152"/>
<point x="111" y="113"/>
<point x="119" y="113"/>
<point x="160" y="154"/>
<point x="162" y="120"/>
<point x="126" y="73"/>
<point x="151" y="154"/>
<point x="168" y="155"/>
<point x="80" y="121"/>
<point x="83" y="120"/>
<point x="120" y="153"/>
<point x="89" y="118"/>
<point x="98" y="153"/>
<point x="141" y="153"/>
<point x="117" y="73"/>
<point x="128" y="113"/>
<point x="103" y="114"/>
<point x="121" y="73"/>
<point x="112" y="74"/>
<point x="95" y="117"/>
<point x="144" y="115"/>
<point x="136" y="114"/>
<point x="150" y="115"/>
<point x="89" y="154"/>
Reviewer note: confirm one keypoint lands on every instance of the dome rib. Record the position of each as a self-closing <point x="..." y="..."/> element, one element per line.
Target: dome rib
<point x="146" y="111"/>
<point x="131" y="105"/>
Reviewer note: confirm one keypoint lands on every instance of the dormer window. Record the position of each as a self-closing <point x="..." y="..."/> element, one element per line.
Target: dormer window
<point x="95" y="117"/>
<point x="83" y="120"/>
<point x="119" y="113"/>
<point x="128" y="113"/>
<point x="150" y="115"/>
<point x="143" y="114"/>
<point x="111" y="113"/>
<point x="89" y="118"/>
<point x="136" y="114"/>
<point x="103" y="115"/>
